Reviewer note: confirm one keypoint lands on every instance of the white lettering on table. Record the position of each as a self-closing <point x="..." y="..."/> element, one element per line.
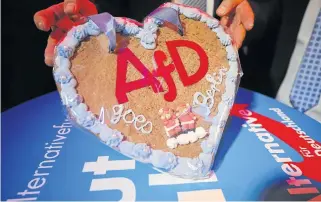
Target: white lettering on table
<point x="52" y="153"/>
<point x="122" y="184"/>
<point x="202" y="195"/>
<point x="103" y="164"/>
<point x="279" y="154"/>
<point x="160" y="179"/>
<point x="165" y="179"/>
<point x="125" y="185"/>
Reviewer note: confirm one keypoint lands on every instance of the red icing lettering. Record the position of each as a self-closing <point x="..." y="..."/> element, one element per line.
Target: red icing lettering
<point x="149" y="79"/>
<point x="203" y="68"/>
<point x="165" y="72"/>
<point x="311" y="165"/>
<point x="122" y="86"/>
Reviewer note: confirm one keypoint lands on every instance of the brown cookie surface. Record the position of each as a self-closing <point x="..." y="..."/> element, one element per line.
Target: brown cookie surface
<point x="95" y="71"/>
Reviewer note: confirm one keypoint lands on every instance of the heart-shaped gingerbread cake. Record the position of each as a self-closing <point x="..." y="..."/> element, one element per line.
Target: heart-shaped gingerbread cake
<point x="159" y="92"/>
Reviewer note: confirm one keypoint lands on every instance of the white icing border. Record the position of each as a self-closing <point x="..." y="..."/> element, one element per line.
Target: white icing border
<point x="195" y="168"/>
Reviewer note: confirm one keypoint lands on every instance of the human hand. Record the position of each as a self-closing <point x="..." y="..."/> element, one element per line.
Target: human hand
<point x="60" y="18"/>
<point x="237" y="17"/>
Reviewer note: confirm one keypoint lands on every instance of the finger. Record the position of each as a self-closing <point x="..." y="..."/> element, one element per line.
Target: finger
<point x="71" y="7"/>
<point x="88" y="8"/>
<point x="46" y="18"/>
<point x="49" y="51"/>
<point x="246" y="14"/>
<point x="227" y="6"/>
<point x="234" y="21"/>
<point x="53" y="40"/>
<point x="239" y="36"/>
<point x="224" y="20"/>
<point x="83" y="8"/>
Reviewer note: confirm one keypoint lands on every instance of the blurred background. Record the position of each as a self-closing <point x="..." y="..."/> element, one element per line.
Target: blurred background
<point x="25" y="75"/>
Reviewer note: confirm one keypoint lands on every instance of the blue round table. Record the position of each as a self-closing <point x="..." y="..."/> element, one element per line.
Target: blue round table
<point x="45" y="158"/>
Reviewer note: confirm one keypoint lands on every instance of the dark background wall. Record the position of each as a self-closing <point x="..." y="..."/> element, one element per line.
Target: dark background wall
<point x="24" y="74"/>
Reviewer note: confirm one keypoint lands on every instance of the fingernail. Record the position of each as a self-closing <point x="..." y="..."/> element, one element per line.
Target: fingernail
<point x="221" y="10"/>
<point x="70" y="7"/>
<point x="40" y="25"/>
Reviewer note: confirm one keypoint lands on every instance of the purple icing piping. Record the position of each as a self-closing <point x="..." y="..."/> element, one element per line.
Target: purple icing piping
<point x="106" y="24"/>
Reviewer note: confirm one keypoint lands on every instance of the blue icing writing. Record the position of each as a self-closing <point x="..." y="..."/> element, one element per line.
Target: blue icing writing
<point x="207" y="147"/>
<point x="130" y="30"/>
<point x="64" y="51"/>
<point x="114" y="139"/>
<point x="126" y="147"/>
<point x="165" y="160"/>
<point x="141" y="150"/>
